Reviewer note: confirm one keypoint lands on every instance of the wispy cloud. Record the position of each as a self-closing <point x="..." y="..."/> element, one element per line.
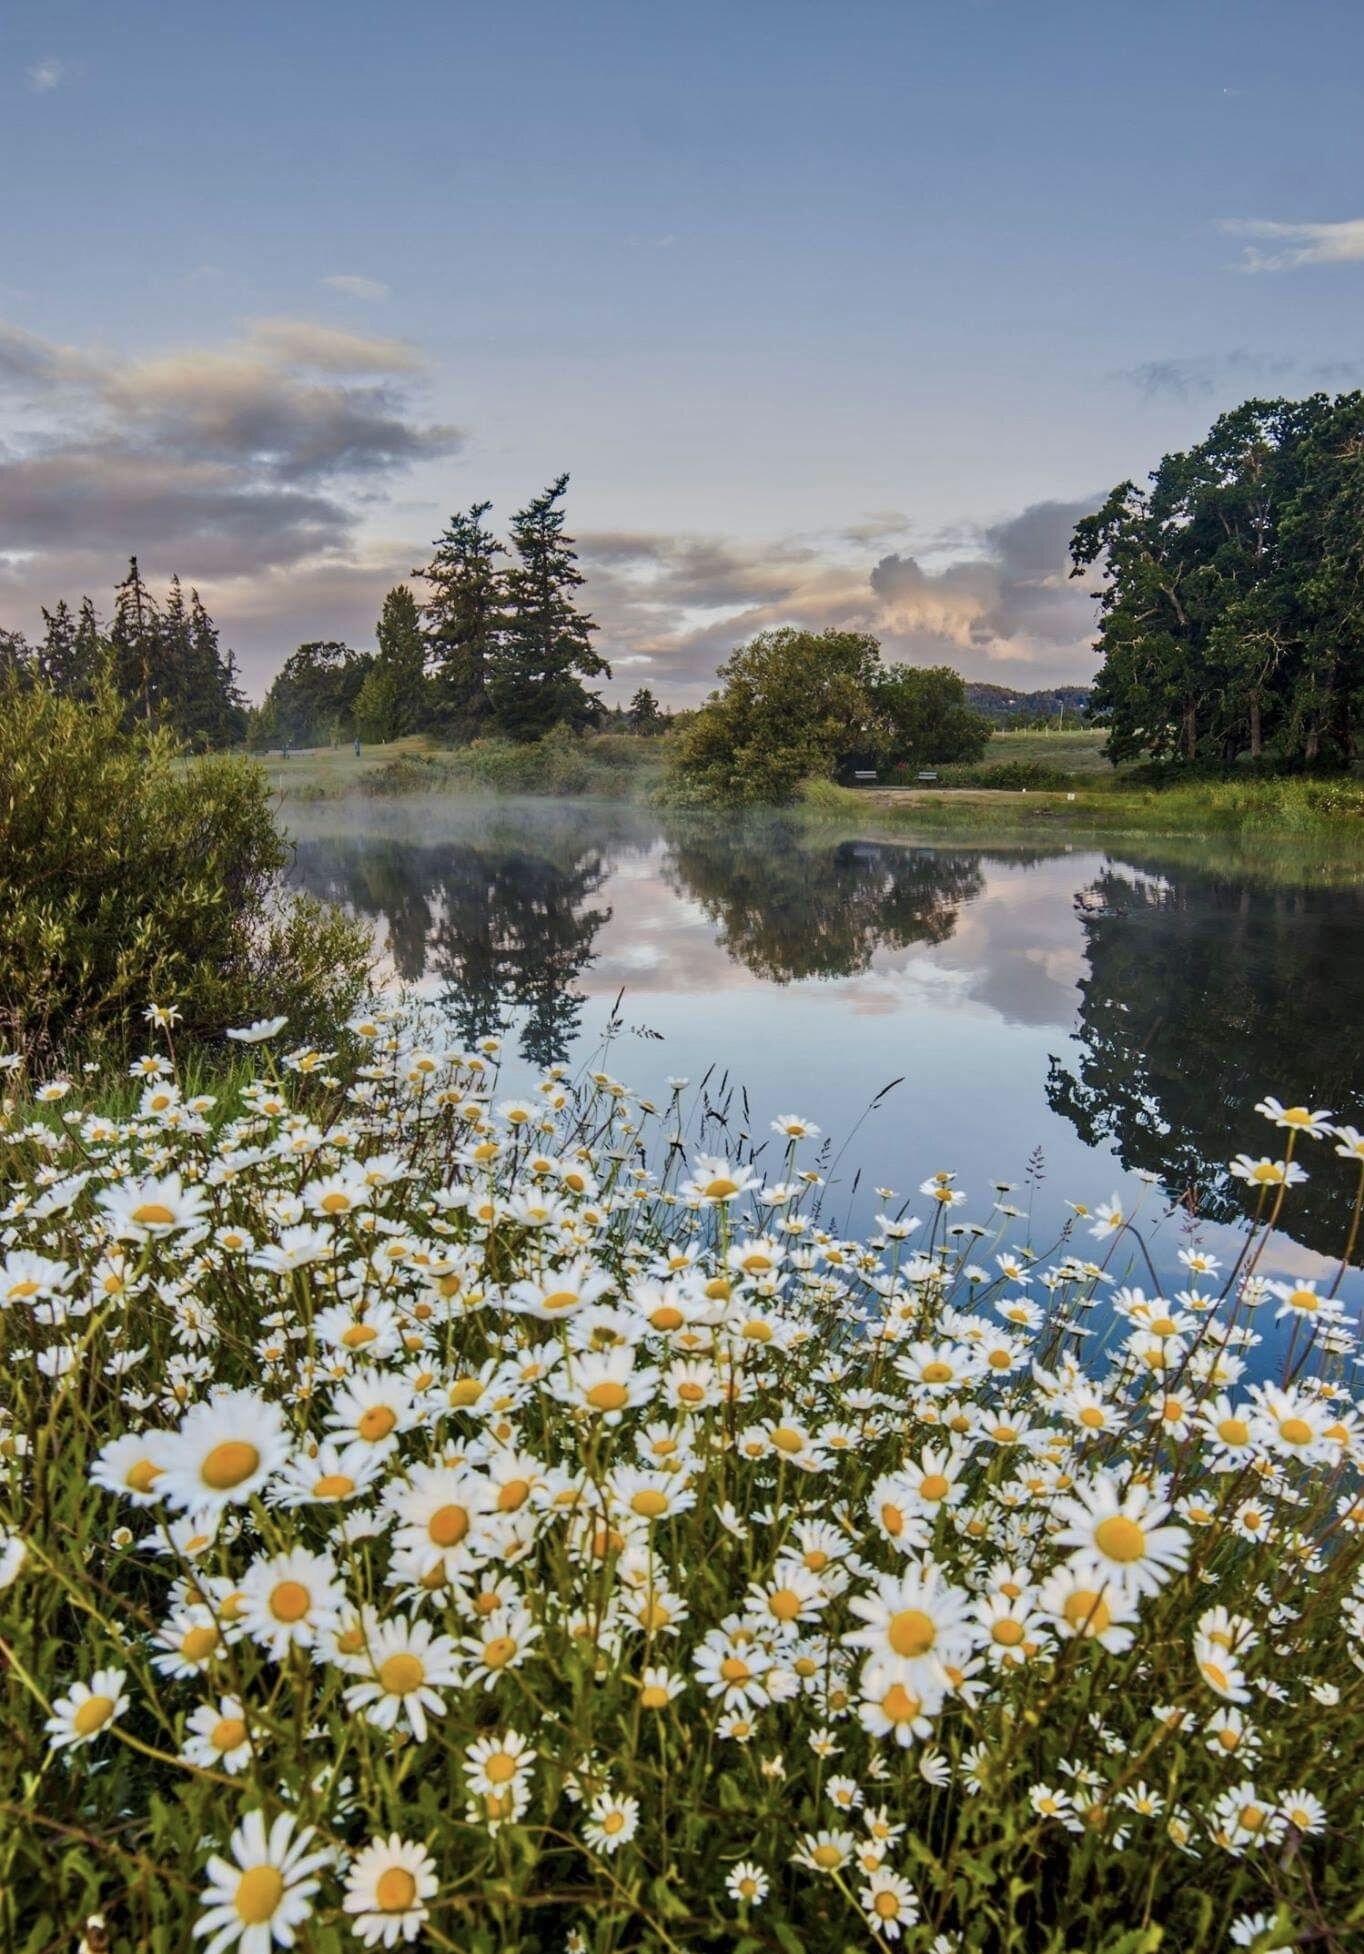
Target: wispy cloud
<point x="45" y="75"/>
<point x="1297" y="244"/>
<point x="354" y="285"/>
<point x="1238" y="371"/>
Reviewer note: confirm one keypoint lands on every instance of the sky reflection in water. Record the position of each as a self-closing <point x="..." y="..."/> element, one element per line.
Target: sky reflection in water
<point x="1120" y="1008"/>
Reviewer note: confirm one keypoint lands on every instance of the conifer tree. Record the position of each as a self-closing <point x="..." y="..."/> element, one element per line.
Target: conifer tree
<point x="136" y="640"/>
<point x="91" y="651"/>
<point x="545" y="651"/>
<point x="216" y="714"/>
<point x="57" y="652"/>
<point x="463" y="616"/>
<point x="402" y="652"/>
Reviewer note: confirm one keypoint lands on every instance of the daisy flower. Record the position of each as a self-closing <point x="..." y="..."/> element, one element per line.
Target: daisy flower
<point x="387" y="1887"/>
<point x="262" y="1893"/>
<point x="915" y="1622"/>
<point x="290" y="1600"/>
<point x="1123" y="1533"/>
<point x="747" y="1883"/>
<point x="404" y="1667"/>
<point x="218" y="1739"/>
<point x="149" y="1210"/>
<point x="87" y="1709"/>
<point x="224" y="1451"/>
<point x="889" y="1903"/>
<point x="612" y="1822"/>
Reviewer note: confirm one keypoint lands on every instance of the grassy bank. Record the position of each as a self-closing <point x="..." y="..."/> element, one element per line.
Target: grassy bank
<point x="1326" y="811"/>
<point x="612" y="766"/>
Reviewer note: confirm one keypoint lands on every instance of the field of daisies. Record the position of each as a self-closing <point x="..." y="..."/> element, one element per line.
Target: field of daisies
<point x="429" y="1516"/>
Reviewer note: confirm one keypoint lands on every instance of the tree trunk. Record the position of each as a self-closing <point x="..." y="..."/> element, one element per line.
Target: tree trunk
<point x="1256" y="739"/>
<point x="1190" y="729"/>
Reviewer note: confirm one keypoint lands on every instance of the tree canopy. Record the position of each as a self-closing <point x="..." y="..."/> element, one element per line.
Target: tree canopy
<point x="1232" y="611"/>
<point x="797" y="705"/>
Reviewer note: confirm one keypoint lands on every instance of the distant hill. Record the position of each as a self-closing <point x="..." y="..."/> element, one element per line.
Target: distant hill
<point x="1005" y="706"/>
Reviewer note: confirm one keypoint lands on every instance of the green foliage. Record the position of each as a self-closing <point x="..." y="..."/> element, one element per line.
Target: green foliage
<point x="792" y="705"/>
<point x="165" y="662"/>
<point x="925" y="719"/>
<point x="797" y="706"/>
<point x="644" y="714"/>
<point x="125" y="875"/>
<point x="1231" y="620"/>
<point x="1009" y="774"/>
<point x="313" y="698"/>
<point x="463" y="617"/>
<point x="544" y="648"/>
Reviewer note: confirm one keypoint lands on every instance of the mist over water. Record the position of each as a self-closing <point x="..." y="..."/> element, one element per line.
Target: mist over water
<point x="1119" y="1008"/>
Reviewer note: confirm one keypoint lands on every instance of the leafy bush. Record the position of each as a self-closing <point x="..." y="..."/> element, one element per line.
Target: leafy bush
<point x="126" y="874"/>
<point x="1015" y="774"/>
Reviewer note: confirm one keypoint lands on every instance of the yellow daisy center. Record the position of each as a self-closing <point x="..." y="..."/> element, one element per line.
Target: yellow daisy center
<point x="911" y="1632"/>
<point x="259" y="1891"/>
<point x="228" y="1464"/>
<point x="1120" y="1539"/>
<point x="92" y="1715"/>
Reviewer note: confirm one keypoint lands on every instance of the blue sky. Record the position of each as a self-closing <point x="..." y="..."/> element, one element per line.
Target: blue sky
<point x="836" y="313"/>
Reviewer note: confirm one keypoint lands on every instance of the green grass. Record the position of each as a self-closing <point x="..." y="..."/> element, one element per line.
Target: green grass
<point x="1274" y="810"/>
<point x="1080" y="752"/>
<point x="615" y="766"/>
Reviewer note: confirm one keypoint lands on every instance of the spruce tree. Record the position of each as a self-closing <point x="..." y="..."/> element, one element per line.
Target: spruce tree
<point x="92" y="652"/>
<point x="463" y="616"/>
<point x="136" y="641"/>
<point x="401" y="661"/>
<point x="217" y="709"/>
<point x="179" y="686"/>
<point x="57" y="652"/>
<point x="545" y="650"/>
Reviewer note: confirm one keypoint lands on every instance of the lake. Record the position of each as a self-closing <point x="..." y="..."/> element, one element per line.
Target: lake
<point x="1065" y="1018"/>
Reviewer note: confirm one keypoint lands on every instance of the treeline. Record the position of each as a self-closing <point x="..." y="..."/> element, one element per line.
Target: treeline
<point x="163" y="659"/>
<point x="1054" y="706"/>
<point x="1232" y="611"/>
<point x="494" y="647"/>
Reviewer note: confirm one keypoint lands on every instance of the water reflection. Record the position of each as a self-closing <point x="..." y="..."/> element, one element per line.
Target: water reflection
<point x="1131" y="1009"/>
<point x="1204" y="991"/>
<point x="790" y="907"/>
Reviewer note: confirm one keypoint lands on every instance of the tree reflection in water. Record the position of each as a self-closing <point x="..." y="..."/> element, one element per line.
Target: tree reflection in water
<point x="788" y="905"/>
<point x="1206" y="990"/>
<point x="1203" y="986"/>
<point x="503" y="912"/>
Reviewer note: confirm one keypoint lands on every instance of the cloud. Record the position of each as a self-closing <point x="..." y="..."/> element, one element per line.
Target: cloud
<point x="299" y="342"/>
<point x="354" y="285"/>
<point x="230" y="464"/>
<point x="45" y="75"/>
<point x="1002" y="605"/>
<point x="1238" y="370"/>
<point x="1299" y="244"/>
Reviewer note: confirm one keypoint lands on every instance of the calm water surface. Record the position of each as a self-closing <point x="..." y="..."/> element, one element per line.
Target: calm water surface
<point x="1119" y="1008"/>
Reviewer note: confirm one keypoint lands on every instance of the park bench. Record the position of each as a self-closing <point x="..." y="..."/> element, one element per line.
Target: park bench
<point x="926" y="774"/>
<point x="865" y="777"/>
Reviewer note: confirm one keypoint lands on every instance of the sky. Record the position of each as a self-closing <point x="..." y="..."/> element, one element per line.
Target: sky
<point x="837" y="314"/>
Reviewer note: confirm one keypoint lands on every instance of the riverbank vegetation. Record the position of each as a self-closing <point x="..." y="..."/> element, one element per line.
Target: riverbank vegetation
<point x="124" y="871"/>
<point x="1229" y="603"/>
<point x="524" y="1522"/>
<point x="796" y="705"/>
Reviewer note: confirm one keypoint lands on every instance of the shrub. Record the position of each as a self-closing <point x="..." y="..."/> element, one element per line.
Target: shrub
<point x="1015" y="774"/>
<point x="126" y="874"/>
